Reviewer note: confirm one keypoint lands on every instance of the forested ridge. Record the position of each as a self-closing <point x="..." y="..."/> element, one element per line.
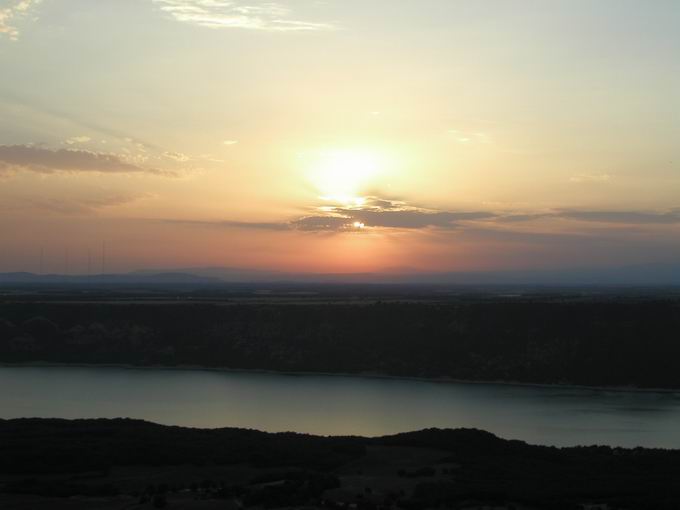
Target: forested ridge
<point x="606" y="342"/>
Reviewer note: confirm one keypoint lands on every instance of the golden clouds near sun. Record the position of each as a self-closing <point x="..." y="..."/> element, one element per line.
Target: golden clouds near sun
<point x="343" y="175"/>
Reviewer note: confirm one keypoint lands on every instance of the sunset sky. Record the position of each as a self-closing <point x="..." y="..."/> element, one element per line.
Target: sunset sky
<point x="339" y="135"/>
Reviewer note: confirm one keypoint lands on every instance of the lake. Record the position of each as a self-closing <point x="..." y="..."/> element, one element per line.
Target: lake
<point x="321" y="404"/>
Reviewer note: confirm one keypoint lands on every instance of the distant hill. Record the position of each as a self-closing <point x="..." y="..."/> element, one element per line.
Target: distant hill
<point x="637" y="275"/>
<point x="649" y="274"/>
<point x="112" y="279"/>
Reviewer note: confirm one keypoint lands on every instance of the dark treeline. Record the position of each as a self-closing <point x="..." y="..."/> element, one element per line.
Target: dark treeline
<point x="45" y="457"/>
<point x="597" y="342"/>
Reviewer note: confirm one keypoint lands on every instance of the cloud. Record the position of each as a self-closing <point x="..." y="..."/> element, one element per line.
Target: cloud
<point x="176" y="156"/>
<point x="70" y="205"/>
<point x="230" y="224"/>
<point x="630" y="217"/>
<point x="323" y="223"/>
<point x="77" y="139"/>
<point x="310" y="224"/>
<point x="522" y="217"/>
<point x="625" y="217"/>
<point x="404" y="219"/>
<point x="466" y="137"/>
<point x="41" y="160"/>
<point x="585" y="178"/>
<point x="36" y="105"/>
<point x="414" y="218"/>
<point x="230" y="142"/>
<point x="376" y="212"/>
<point x="253" y="15"/>
<point x="14" y="12"/>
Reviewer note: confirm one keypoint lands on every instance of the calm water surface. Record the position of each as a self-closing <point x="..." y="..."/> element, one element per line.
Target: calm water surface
<point x="341" y="405"/>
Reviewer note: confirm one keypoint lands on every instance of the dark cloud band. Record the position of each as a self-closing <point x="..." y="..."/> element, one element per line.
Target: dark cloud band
<point x="378" y="213"/>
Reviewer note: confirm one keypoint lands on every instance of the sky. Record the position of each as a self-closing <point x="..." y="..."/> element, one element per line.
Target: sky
<point x="339" y="135"/>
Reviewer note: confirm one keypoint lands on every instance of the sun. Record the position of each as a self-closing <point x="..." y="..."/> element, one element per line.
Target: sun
<point x="342" y="175"/>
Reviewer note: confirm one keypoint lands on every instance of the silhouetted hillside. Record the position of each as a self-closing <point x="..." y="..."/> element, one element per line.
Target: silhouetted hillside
<point x="425" y="469"/>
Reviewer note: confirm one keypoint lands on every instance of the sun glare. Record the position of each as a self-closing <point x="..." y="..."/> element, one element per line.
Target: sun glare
<point x="341" y="175"/>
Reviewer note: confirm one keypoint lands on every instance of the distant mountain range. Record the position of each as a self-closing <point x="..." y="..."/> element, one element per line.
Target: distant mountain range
<point x="170" y="277"/>
<point x="651" y="274"/>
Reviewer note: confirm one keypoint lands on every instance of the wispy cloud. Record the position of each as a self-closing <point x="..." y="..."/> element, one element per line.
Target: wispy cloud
<point x="253" y="15"/>
<point x="585" y="178"/>
<point x="624" y="217"/>
<point x="619" y="217"/>
<point x="70" y="205"/>
<point x="41" y="160"/>
<point x="468" y="137"/>
<point x="176" y="156"/>
<point x="13" y="13"/>
<point x="230" y="224"/>
<point x="77" y="140"/>
<point x="34" y="104"/>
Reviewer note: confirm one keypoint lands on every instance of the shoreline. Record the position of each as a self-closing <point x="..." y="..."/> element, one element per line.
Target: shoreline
<point x="366" y="375"/>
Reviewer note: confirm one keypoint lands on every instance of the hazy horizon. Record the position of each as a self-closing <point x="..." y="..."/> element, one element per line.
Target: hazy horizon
<point x="624" y="276"/>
